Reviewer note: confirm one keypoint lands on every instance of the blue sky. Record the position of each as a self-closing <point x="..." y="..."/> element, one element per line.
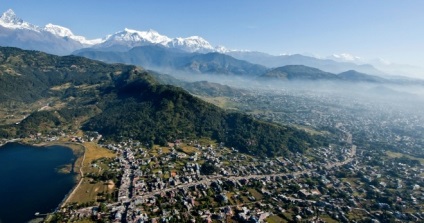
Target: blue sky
<point x="392" y="30"/>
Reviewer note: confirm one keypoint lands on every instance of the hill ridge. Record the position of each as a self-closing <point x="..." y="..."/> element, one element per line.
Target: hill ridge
<point x="124" y="101"/>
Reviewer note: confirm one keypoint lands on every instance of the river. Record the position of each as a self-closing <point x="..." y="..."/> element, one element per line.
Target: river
<point x="30" y="180"/>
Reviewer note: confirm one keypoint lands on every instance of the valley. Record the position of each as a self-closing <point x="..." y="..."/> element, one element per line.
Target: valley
<point x="150" y="128"/>
<point x="339" y="173"/>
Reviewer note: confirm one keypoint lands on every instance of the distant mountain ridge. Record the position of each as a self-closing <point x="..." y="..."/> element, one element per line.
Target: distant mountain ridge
<point x="298" y="59"/>
<point x="305" y="73"/>
<point x="298" y="72"/>
<point x="158" y="57"/>
<point x="352" y="75"/>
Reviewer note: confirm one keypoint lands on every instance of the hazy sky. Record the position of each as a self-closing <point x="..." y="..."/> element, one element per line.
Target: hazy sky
<point x="392" y="30"/>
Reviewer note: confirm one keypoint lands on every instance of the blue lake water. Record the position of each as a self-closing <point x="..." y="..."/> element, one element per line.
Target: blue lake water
<point x="30" y="181"/>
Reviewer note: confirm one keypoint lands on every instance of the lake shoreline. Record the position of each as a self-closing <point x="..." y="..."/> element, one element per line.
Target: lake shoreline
<point x="79" y="152"/>
<point x="26" y="162"/>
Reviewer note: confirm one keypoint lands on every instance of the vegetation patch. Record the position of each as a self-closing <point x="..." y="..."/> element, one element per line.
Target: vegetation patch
<point x="94" y="152"/>
<point x="404" y="157"/>
<point x="89" y="192"/>
<point x="64" y="169"/>
<point x="274" y="219"/>
<point x="188" y="149"/>
<point x="255" y="194"/>
<point x="222" y="102"/>
<point x="92" y="184"/>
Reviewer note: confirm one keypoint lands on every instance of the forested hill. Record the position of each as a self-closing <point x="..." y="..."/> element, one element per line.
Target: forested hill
<point x="123" y="101"/>
<point x="26" y="76"/>
<point x="163" y="113"/>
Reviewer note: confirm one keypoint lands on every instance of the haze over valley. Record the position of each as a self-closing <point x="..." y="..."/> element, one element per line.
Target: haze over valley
<point x="177" y="129"/>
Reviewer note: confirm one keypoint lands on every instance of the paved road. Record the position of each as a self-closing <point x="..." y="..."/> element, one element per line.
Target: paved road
<point x="210" y="179"/>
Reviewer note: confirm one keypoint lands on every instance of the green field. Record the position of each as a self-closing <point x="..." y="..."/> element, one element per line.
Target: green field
<point x="398" y="155"/>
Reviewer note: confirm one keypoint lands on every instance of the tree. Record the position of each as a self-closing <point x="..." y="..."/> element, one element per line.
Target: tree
<point x="208" y="168"/>
<point x="102" y="207"/>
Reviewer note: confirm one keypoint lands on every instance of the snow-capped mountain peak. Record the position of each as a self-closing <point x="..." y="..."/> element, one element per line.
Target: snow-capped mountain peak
<point x="129" y="38"/>
<point x="194" y="39"/>
<point x="132" y="37"/>
<point x="61" y="31"/>
<point x="191" y="44"/>
<point x="222" y="49"/>
<point x="58" y="30"/>
<point x="9" y="20"/>
<point x="10" y="17"/>
<point x="155" y="37"/>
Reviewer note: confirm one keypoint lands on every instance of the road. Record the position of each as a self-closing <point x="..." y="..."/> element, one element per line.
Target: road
<point x="208" y="180"/>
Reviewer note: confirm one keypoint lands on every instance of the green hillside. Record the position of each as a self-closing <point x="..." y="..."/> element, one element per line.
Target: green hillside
<point x="123" y="101"/>
<point x="298" y="72"/>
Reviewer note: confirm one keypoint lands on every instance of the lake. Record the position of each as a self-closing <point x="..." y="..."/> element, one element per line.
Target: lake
<point x="30" y="181"/>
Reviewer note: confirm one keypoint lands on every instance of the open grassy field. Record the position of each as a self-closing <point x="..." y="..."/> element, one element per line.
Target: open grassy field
<point x="85" y="220"/>
<point x="274" y="219"/>
<point x="328" y="219"/>
<point x="87" y="191"/>
<point x="309" y="130"/>
<point x="356" y="215"/>
<point x="94" y="152"/>
<point x="397" y="155"/>
<point x="222" y="102"/>
<point x="189" y="150"/>
<point x="255" y="194"/>
<point x="207" y="141"/>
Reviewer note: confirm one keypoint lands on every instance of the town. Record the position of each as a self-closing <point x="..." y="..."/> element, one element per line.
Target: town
<point x="203" y="181"/>
<point x="371" y="171"/>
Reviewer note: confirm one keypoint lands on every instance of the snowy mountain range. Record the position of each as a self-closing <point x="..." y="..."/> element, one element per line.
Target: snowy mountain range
<point x="128" y="39"/>
<point x="18" y="33"/>
<point x="60" y="40"/>
<point x="10" y="21"/>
